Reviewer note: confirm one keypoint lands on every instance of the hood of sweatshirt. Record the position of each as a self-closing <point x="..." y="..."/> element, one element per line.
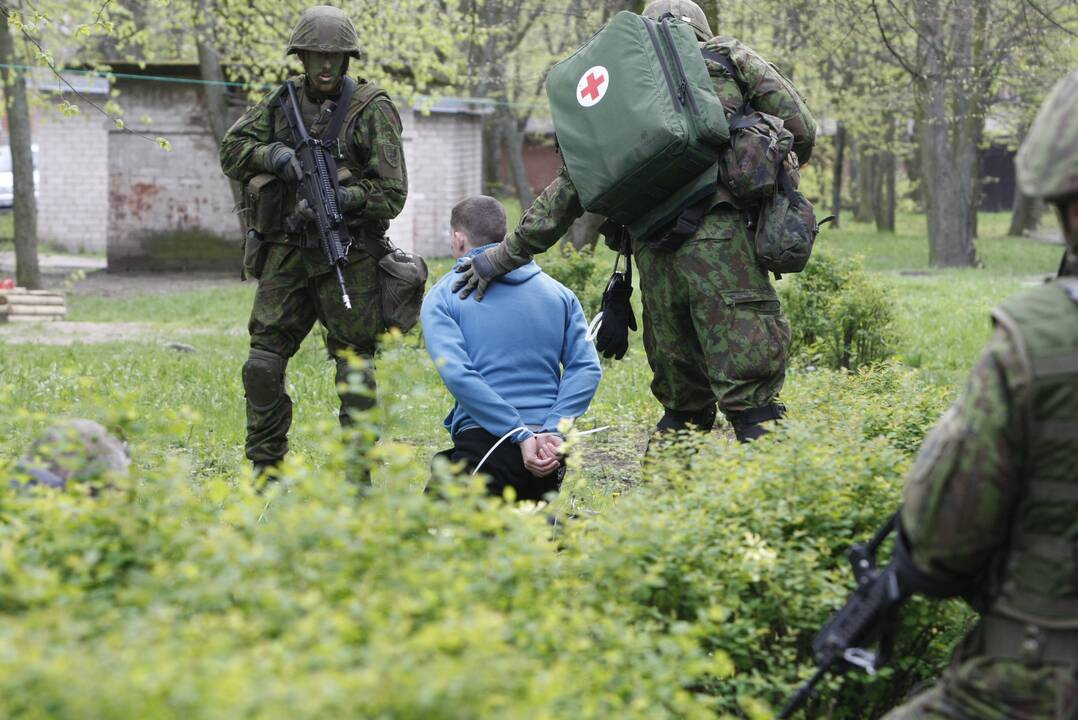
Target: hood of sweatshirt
<point x="521" y="275"/>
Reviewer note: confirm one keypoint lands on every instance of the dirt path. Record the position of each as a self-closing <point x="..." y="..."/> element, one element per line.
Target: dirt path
<point x="122" y="285"/>
<point x="99" y="283"/>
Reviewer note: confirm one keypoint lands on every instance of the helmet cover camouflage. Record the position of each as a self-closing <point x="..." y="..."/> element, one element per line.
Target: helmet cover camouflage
<point x="684" y="10"/>
<point x="1047" y="162"/>
<point x="78" y="450"/>
<point x="325" y="29"/>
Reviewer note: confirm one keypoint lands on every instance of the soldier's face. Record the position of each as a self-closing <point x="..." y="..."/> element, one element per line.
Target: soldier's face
<point x="324" y="70"/>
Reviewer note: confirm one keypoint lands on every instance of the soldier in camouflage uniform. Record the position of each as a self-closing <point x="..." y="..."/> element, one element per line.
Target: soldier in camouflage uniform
<point x="296" y="285"/>
<point x="713" y="328"/>
<point x="991" y="506"/>
<point x="75" y="450"/>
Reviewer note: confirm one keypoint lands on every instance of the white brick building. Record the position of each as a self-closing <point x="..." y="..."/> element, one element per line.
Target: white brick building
<point x="105" y="189"/>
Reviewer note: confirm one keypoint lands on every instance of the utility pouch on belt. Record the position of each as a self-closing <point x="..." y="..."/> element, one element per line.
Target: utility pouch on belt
<point x="263" y="206"/>
<point x="402" y="278"/>
<point x="786" y="229"/>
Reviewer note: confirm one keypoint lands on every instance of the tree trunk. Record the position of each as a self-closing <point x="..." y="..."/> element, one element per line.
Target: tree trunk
<point x="213" y="75"/>
<point x="948" y="152"/>
<point x="836" y="173"/>
<point x="27" y="272"/>
<point x="492" y="157"/>
<point x="862" y="208"/>
<point x="584" y="232"/>
<point x="513" y="139"/>
<point x="1026" y="215"/>
<point x="884" y="181"/>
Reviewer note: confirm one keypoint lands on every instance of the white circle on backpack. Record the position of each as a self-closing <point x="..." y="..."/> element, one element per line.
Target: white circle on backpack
<point x="592" y="86"/>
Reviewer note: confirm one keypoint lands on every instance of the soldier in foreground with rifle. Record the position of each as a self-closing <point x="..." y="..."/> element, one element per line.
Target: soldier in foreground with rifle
<point x="991" y="507"/>
<point x="323" y="168"/>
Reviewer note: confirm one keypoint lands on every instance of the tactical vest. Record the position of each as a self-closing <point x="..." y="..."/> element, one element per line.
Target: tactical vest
<point x="353" y="157"/>
<point x="1037" y="576"/>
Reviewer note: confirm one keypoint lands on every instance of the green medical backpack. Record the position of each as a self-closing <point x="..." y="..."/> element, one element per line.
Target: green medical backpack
<point x="638" y="122"/>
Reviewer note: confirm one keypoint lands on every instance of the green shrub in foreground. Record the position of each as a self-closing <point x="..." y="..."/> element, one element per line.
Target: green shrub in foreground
<point x="840" y="316"/>
<point x="696" y="595"/>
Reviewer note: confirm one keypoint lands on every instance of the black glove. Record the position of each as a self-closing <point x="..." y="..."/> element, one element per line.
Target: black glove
<point x="283" y="163"/>
<point x="299" y="217"/>
<point x="612" y="338"/>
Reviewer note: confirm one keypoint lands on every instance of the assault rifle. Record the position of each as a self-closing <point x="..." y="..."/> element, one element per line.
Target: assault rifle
<point x="871" y="612"/>
<point x="318" y="185"/>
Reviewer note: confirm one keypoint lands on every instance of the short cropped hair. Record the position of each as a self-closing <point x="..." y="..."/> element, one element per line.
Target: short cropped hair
<point x="481" y="218"/>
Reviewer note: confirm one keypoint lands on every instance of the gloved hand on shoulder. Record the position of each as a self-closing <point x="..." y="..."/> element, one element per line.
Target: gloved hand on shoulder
<point x="476" y="272"/>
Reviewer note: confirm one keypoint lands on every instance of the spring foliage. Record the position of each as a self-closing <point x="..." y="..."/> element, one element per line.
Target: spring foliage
<point x="694" y="594"/>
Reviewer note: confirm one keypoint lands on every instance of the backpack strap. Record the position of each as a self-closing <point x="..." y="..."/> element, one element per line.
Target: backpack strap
<point x="344" y="103"/>
<point x="746" y="110"/>
<point x="721" y="60"/>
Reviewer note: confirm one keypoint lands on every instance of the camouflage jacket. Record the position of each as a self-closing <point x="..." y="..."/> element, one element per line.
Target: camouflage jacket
<point x="967" y="478"/>
<point x="378" y="182"/>
<point x="759" y="83"/>
<point x="994" y="486"/>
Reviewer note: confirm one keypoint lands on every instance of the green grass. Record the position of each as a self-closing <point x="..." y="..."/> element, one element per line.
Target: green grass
<point x="943" y="316"/>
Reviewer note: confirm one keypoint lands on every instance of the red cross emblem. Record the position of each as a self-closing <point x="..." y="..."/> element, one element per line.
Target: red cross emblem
<point x="592" y="86"/>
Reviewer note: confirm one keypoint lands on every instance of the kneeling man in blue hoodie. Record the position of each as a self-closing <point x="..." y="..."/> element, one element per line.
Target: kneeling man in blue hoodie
<point x="516" y="363"/>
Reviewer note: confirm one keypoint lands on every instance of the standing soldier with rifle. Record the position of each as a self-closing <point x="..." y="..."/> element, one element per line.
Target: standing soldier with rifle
<point x="321" y="185"/>
<point x="991" y="506"/>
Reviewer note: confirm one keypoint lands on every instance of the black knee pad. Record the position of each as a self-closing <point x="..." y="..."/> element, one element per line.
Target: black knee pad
<point x="263" y="378"/>
<point x="676" y="420"/>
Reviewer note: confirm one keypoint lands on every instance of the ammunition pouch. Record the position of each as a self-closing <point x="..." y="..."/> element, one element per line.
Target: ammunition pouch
<point x="263" y="204"/>
<point x="263" y="215"/>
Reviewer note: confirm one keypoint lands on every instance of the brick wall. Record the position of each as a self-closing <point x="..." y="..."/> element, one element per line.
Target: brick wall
<point x="168" y="210"/>
<point x="72" y="164"/>
<point x="445" y="165"/>
<point x="104" y="189"/>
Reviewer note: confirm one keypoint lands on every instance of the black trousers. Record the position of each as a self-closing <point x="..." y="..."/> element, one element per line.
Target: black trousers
<point x="505" y="466"/>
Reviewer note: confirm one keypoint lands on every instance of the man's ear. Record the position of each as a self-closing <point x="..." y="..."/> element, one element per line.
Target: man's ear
<point x="460" y="241"/>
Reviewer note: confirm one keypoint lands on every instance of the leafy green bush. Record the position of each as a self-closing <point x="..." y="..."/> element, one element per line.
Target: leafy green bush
<point x="840" y="316"/>
<point x="694" y="595"/>
<point x="585" y="273"/>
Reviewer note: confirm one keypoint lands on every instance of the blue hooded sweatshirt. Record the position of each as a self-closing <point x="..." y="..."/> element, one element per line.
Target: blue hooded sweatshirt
<point x="519" y="358"/>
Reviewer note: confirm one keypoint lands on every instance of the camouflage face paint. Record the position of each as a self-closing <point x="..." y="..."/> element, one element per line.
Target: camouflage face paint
<point x="324" y="70"/>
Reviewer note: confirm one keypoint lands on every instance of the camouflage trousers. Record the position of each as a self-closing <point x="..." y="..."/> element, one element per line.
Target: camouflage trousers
<point x="975" y="687"/>
<point x="291" y="296"/>
<point x="713" y="327"/>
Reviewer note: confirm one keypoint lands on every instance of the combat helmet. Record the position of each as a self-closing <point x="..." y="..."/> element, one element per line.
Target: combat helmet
<point x="684" y="10"/>
<point x="1047" y="162"/>
<point x="74" y="450"/>
<point x="326" y="29"/>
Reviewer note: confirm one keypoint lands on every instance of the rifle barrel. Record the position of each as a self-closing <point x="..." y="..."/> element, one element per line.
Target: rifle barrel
<point x="803" y="693"/>
<point x="344" y="291"/>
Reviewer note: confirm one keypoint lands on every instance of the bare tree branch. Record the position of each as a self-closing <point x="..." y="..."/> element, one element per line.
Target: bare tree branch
<point x="44" y="57"/>
<point x="890" y="48"/>
<point x="1052" y="21"/>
